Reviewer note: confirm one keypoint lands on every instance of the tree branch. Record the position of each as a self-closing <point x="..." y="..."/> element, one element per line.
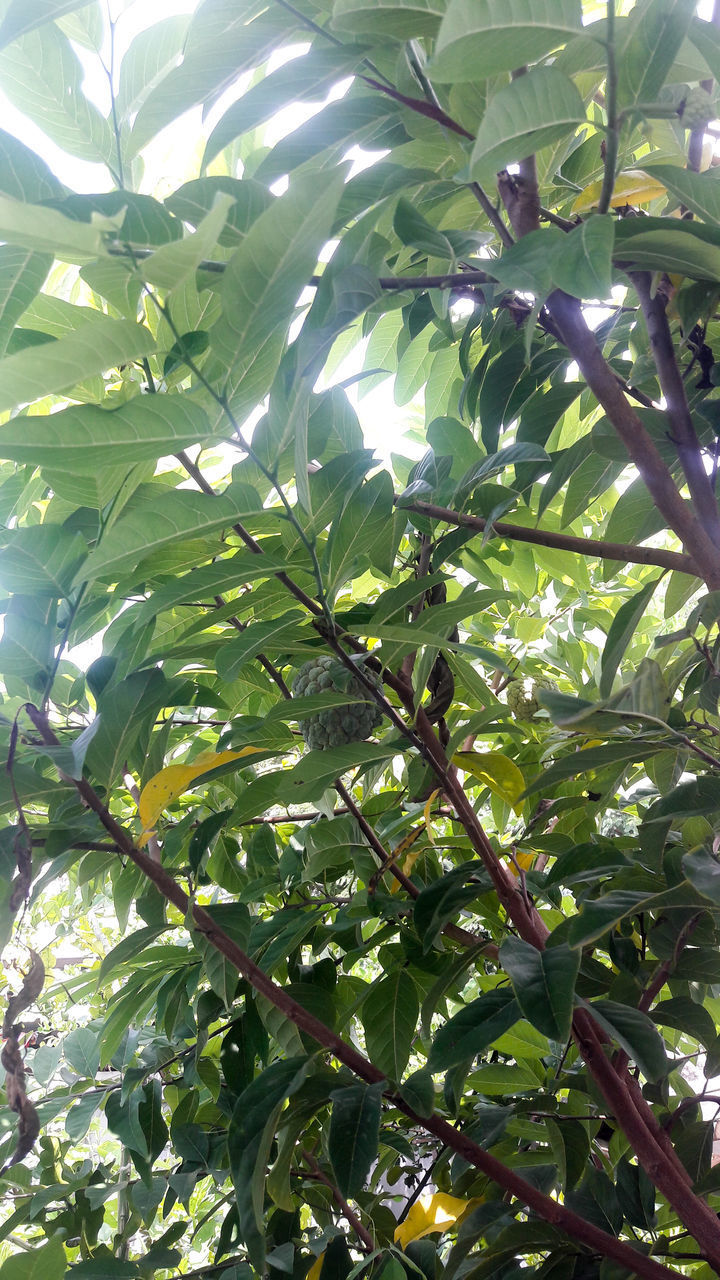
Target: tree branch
<point x="583" y="346"/>
<point x="611" y="137"/>
<point x="673" y="388"/>
<point x="551" y="1210"/>
<point x="366" y="1240"/>
<point x="625" y="553"/>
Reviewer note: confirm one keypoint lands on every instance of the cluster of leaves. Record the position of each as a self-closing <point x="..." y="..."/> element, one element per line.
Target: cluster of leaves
<point x="446" y="1001"/>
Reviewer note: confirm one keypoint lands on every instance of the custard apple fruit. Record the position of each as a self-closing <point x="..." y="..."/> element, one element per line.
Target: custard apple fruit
<point x="698" y="109"/>
<point x="337" y="725"/>
<point x="522" y="697"/>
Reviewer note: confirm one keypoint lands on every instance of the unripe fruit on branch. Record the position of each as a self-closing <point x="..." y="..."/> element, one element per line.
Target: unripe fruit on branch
<point x="340" y="724"/>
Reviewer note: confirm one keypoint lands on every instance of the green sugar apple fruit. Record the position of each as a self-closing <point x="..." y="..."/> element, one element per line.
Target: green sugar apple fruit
<point x="522" y="697"/>
<point x="698" y="109"/>
<point x="340" y="724"/>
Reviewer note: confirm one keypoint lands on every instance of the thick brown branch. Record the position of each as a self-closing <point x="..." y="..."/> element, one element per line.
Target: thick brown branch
<point x="673" y="388"/>
<point x="625" y="553"/>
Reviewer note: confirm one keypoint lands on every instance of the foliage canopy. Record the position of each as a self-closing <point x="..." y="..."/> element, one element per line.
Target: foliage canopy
<point x="445" y="1000"/>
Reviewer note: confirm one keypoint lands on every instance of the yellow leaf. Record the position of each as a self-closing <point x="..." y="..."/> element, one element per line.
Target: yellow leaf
<point x="523" y="862"/>
<point x="411" y="858"/>
<point x="631" y="187"/>
<point x="174" y="779"/>
<point x="433" y="1213"/>
<point x="316" y="1268"/>
<point x="426" y="813"/>
<point x="498" y="773"/>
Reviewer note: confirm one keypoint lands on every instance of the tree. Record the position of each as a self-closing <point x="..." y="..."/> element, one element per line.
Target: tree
<point x="436" y="994"/>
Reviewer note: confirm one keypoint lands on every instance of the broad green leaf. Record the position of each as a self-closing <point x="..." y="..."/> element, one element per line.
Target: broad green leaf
<point x="703" y="871"/>
<point x="43" y="77"/>
<point x="544" y="984"/>
<point x="21" y="17"/>
<point x="699" y="192"/>
<point x="21" y="276"/>
<point x="81" y="1052"/>
<point x="32" y="227"/>
<point x="102" y="345"/>
<point x="44" y="1263"/>
<point x="401" y="19"/>
<point x="126" y="711"/>
<point x="262" y="281"/>
<point x="647" y="46"/>
<point x="171" y="264"/>
<point x="621" y="632"/>
<point x="596" y="918"/>
<point x="362" y="530"/>
<point x="694" y="253"/>
<point x="389" y="1017"/>
<point x="150" y="526"/>
<point x="41" y="559"/>
<point x="258" y="637"/>
<point x="583" y="266"/>
<point x="534" y="111"/>
<point x="635" y="1033"/>
<point x="23" y="175"/>
<point x="147" y="60"/>
<point x="479" y="38"/>
<point x="302" y="79"/>
<point x="85" y="438"/>
<point x="128" y="948"/>
<point x="354" y="1134"/>
<point x="495" y="771"/>
<point x="415" y="230"/>
<point x="473" y="1029"/>
<point x="250" y="1137"/>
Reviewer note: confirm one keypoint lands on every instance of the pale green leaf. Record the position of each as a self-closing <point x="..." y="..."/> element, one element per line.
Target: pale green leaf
<point x="48" y="230"/>
<point x="22" y="273"/>
<point x="21" y="16"/>
<point x="104" y="344"/>
<point x="535" y="110"/>
<point x="148" y="59"/>
<point x="402" y="19"/>
<point x="479" y="38"/>
<point x="171" y="264"/>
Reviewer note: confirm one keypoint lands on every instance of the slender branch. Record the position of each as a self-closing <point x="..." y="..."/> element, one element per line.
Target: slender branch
<point x="683" y="430"/>
<point x="625" y="553"/>
<point x="571" y="1223"/>
<point x="583" y="346"/>
<point x="611" y="136"/>
<point x="363" y="1235"/>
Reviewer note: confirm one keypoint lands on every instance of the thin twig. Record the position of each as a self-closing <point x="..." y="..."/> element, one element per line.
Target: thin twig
<point x="611" y="135"/>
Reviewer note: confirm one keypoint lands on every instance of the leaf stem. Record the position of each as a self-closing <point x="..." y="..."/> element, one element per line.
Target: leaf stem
<point x="613" y="126"/>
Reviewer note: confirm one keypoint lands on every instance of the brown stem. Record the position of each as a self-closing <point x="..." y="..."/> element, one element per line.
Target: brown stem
<point x="366" y="1240"/>
<point x="625" y="552"/>
<point x="571" y="1223"/>
<point x="582" y="345"/>
<point x="673" y="388"/>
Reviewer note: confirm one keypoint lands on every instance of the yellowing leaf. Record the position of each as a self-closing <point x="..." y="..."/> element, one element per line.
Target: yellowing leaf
<point x="631" y="187"/>
<point x="433" y="1213"/>
<point x="498" y="773"/>
<point x="316" y="1268"/>
<point x="411" y="858"/>
<point x="426" y="813"/>
<point x="174" y="779"/>
<point x="522" y="862"/>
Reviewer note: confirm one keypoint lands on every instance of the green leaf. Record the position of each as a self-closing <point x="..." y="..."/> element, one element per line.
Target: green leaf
<point x="47" y="230"/>
<point x="86" y="439"/>
<point x="622" y="630"/>
<point x="354" y="1134"/>
<point x="81" y="1052"/>
<point x="21" y="277"/>
<point x="389" y="1017"/>
<point x="361" y="531"/>
<point x="473" y="1029"/>
<point x="257" y="638"/>
<point x="479" y="38"/>
<point x="635" y="1032"/>
<point x="703" y="871"/>
<point x="44" y="1263"/>
<point x="250" y="1137"/>
<point x="43" y="78"/>
<point x="647" y="47"/>
<point x="410" y="226"/>
<point x="401" y="19"/>
<point x="699" y="192"/>
<point x="127" y="949"/>
<point x="126" y="711"/>
<point x="150" y="526"/>
<point x="544" y="984"/>
<point x="676" y="250"/>
<point x="171" y="264"/>
<point x="95" y="347"/>
<point x="263" y="278"/>
<point x="149" y="57"/>
<point x="21" y="17"/>
<point x="534" y="111"/>
<point x="41" y="560"/>
<point x="583" y="265"/>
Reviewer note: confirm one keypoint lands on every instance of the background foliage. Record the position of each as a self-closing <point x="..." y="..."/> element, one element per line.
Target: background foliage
<point x="445" y="1002"/>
